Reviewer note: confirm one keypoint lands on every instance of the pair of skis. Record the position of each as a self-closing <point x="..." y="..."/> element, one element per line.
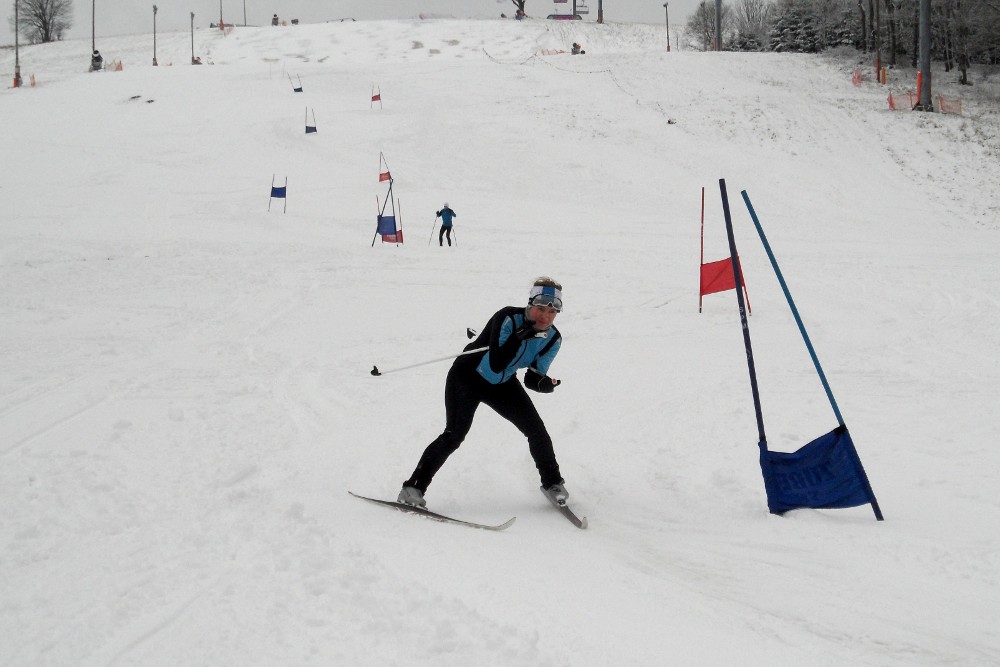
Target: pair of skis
<point x="412" y="509"/>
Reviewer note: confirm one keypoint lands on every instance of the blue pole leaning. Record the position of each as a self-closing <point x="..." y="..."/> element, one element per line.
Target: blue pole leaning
<point x="795" y="311"/>
<point x="855" y="457"/>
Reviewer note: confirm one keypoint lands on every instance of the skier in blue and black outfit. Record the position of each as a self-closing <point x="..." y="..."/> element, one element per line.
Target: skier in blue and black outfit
<point x="447" y="216"/>
<point x="518" y="337"/>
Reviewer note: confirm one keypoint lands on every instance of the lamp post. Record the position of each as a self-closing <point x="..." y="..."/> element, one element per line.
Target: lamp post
<point x="667" y="12"/>
<point x="192" y="38"/>
<point x="17" y="49"/>
<point x="244" y="13"/>
<point x="154" y="34"/>
<point x="220" y="14"/>
<point x="93" y="42"/>
<point x="600" y="11"/>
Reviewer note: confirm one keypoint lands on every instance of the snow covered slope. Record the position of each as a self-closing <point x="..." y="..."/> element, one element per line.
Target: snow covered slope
<point x="186" y="398"/>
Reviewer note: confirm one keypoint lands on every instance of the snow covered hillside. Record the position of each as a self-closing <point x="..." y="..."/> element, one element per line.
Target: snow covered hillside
<point x="186" y="399"/>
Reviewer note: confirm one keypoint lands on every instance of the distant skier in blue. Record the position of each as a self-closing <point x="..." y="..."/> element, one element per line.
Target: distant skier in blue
<point x="447" y="216"/>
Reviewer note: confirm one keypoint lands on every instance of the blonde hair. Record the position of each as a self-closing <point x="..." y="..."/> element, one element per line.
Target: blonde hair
<point x="545" y="281"/>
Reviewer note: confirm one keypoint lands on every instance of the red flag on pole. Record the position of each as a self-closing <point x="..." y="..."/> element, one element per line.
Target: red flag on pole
<point x="384" y="176"/>
<point x="717" y="276"/>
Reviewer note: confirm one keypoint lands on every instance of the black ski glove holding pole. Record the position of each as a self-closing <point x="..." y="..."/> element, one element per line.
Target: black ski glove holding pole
<point x="540" y="383"/>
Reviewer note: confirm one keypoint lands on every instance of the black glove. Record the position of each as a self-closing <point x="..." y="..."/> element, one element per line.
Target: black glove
<point x="526" y="331"/>
<point x="540" y="383"/>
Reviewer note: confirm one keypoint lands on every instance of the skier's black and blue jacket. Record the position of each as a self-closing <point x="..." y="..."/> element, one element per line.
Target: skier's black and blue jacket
<point x="506" y="354"/>
<point x="489" y="377"/>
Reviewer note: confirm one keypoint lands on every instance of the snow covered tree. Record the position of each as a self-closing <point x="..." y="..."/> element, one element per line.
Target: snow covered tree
<point x="43" y="20"/>
<point x="964" y="32"/>
<point x="700" y="28"/>
<point x="967" y="31"/>
<point x="751" y="24"/>
<point x="794" y="29"/>
<point x="835" y="23"/>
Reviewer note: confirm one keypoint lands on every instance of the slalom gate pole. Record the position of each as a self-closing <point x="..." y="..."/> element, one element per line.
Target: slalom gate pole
<point x="737" y="272"/>
<point x="376" y="372"/>
<point x="795" y="311"/>
<point x="701" y="261"/>
<point x="399" y="221"/>
<point x="855" y="457"/>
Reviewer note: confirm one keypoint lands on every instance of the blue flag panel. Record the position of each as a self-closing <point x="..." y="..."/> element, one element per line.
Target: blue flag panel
<point x="823" y="474"/>
<point x="386" y="224"/>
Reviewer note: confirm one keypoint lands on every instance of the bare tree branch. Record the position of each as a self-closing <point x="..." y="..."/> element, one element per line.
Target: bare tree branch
<point x="43" y="20"/>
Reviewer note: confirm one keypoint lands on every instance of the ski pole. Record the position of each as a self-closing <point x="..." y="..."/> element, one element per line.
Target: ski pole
<point x="433" y="227"/>
<point x="376" y="372"/>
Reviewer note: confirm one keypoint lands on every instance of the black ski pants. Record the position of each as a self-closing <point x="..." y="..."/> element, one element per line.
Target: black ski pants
<point x="464" y="390"/>
<point x="444" y="231"/>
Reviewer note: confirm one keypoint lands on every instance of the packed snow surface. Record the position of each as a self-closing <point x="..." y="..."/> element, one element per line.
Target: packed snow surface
<point x="186" y="398"/>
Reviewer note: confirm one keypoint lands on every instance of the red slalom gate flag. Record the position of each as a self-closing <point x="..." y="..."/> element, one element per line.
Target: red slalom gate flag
<point x="718" y="276"/>
<point x="377" y="97"/>
<point x="384" y="176"/>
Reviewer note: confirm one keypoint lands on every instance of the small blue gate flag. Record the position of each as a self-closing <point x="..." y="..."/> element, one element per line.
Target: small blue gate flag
<point x="386" y="224"/>
<point x="823" y="474"/>
<point x="278" y="192"/>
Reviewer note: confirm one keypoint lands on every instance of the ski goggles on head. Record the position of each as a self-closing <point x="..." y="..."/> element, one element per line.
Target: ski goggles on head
<point x="545" y="296"/>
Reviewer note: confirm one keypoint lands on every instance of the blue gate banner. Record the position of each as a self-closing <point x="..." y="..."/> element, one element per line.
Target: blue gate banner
<point x="386" y="224"/>
<point x="823" y="474"/>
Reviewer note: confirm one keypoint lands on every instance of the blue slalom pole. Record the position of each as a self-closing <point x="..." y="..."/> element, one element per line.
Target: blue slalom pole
<point x="795" y="311"/>
<point x="855" y="458"/>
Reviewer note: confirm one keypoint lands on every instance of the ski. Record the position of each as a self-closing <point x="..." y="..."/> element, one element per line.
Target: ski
<point x="565" y="510"/>
<point x="412" y="509"/>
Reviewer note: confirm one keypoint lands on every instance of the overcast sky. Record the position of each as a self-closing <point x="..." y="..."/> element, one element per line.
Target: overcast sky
<point x="117" y="17"/>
